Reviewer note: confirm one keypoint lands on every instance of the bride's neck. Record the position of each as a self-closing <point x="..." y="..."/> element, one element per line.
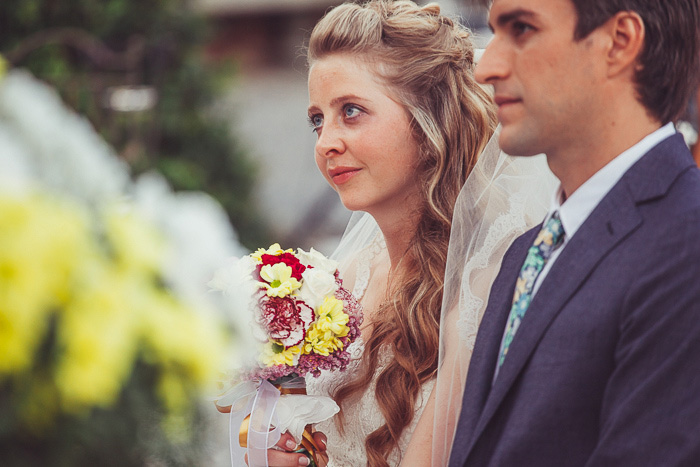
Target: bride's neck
<point x="398" y="235"/>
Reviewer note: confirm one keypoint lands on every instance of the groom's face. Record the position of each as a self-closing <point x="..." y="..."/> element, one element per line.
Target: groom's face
<point x="544" y="81"/>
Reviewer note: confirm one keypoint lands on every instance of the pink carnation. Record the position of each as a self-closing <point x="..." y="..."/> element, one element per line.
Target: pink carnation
<point x="286" y="319"/>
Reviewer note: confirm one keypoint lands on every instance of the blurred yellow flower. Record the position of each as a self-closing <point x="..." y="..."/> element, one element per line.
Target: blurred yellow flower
<point x="39" y="241"/>
<point x="136" y="244"/>
<point x="3" y="66"/>
<point x="87" y="286"/>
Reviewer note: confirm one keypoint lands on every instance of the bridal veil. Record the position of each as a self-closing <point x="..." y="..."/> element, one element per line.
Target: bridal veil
<point x="502" y="198"/>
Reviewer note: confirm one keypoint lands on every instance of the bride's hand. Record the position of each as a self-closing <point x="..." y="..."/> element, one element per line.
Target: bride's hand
<point x="282" y="455"/>
<point x="221" y="409"/>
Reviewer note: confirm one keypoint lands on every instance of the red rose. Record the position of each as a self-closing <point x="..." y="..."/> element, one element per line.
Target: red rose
<point x="286" y="319"/>
<point x="287" y="258"/>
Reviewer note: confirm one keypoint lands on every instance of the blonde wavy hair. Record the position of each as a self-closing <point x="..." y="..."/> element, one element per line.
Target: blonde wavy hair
<point x="427" y="61"/>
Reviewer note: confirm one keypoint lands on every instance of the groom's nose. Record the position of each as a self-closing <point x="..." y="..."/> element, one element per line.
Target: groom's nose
<point x="493" y="64"/>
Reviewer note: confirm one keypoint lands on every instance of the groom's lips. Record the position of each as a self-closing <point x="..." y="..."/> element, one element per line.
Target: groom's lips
<point x="504" y="102"/>
<point x="340" y="175"/>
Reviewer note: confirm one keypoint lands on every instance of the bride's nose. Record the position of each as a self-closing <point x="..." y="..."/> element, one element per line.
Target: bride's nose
<point x="330" y="141"/>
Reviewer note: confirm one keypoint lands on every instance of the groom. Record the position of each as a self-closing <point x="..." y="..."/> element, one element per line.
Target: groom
<point x="589" y="350"/>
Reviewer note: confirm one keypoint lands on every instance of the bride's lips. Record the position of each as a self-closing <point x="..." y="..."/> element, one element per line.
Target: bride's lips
<point x="340" y="175"/>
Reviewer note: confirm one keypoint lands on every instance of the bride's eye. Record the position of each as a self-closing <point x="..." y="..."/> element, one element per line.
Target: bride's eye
<point x="315" y="122"/>
<point x="351" y="111"/>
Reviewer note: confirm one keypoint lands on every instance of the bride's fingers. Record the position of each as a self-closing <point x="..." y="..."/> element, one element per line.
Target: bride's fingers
<point x="226" y="409"/>
<point x="321" y="456"/>
<point x="286" y="442"/>
<point x="320" y="440"/>
<point x="284" y="459"/>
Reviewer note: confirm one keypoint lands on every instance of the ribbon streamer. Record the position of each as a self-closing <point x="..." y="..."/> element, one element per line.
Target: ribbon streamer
<point x="263" y="432"/>
<point x="253" y="405"/>
<point x="254" y="424"/>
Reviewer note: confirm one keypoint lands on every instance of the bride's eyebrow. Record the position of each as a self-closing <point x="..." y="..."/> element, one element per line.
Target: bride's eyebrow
<point x="338" y="101"/>
<point x="346" y="98"/>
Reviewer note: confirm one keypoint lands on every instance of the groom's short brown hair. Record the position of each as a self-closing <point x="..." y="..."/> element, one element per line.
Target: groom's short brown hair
<point x="670" y="60"/>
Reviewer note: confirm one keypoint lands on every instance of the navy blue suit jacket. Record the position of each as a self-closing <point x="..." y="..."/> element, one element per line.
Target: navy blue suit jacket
<point x="605" y="367"/>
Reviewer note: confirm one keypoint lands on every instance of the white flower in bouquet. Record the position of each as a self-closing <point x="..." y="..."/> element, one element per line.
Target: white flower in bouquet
<point x="235" y="280"/>
<point x="318" y="284"/>
<point x="318" y="260"/>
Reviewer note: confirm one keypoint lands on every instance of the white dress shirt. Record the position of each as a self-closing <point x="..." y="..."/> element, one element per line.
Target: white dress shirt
<point x="575" y="210"/>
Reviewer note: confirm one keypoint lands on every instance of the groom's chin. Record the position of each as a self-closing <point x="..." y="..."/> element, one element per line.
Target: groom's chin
<point x="516" y="141"/>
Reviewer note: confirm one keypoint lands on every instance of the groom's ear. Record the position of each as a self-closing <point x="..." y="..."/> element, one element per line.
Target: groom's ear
<point x="625" y="41"/>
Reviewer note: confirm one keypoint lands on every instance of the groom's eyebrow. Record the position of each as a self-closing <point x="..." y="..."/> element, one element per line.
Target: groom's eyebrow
<point x="509" y="16"/>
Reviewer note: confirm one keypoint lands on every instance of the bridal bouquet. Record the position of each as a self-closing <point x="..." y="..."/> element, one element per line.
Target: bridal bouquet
<point x="304" y="321"/>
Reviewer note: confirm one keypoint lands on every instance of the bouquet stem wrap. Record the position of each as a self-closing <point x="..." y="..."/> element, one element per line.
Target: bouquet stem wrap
<point x="255" y="425"/>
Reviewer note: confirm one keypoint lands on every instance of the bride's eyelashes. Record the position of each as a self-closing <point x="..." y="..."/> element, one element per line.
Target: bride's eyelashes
<point x="315" y="122"/>
<point x="350" y="112"/>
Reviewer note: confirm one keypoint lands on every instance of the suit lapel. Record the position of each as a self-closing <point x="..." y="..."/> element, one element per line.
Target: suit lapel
<point x="611" y="222"/>
<point x="483" y="361"/>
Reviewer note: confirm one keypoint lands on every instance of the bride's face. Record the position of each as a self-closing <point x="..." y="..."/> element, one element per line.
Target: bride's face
<point x="365" y="146"/>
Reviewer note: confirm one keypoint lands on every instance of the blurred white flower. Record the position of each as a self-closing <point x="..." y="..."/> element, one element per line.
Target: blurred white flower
<point x="61" y="147"/>
<point x="15" y="175"/>
<point x="47" y="145"/>
<point x="689" y="134"/>
<point x="239" y="291"/>
<point x="199" y="233"/>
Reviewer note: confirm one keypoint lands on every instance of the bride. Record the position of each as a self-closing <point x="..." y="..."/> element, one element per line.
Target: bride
<point x="400" y="124"/>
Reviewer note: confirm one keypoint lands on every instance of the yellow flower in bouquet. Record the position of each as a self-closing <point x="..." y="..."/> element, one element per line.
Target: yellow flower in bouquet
<point x="274" y="353"/>
<point x="279" y="280"/>
<point x="331" y="318"/>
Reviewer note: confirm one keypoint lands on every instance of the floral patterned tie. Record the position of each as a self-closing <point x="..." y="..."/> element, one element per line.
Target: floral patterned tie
<point x="550" y="237"/>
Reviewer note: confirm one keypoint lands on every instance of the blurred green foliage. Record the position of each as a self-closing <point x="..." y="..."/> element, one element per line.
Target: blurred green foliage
<point x="86" y="47"/>
<point x="135" y="432"/>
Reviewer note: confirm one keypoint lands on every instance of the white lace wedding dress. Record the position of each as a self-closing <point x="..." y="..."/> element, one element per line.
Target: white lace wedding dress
<point x="361" y="415"/>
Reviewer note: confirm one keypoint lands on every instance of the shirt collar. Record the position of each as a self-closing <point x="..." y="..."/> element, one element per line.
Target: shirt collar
<point x="575" y="210"/>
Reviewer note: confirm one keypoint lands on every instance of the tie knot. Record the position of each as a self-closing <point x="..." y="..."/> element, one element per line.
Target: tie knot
<point x="551" y="235"/>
